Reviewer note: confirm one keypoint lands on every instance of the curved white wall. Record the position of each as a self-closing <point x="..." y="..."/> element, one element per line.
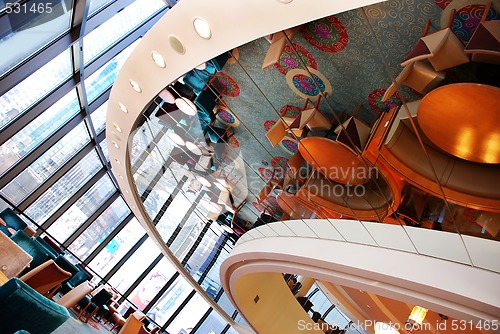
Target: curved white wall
<point x="337" y="251"/>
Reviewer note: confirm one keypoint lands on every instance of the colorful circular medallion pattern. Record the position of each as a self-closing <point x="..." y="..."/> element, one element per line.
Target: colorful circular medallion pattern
<point x="289" y="60"/>
<point x="233" y="142"/>
<point x="290" y="145"/>
<point x="375" y="101"/>
<point x="327" y="34"/>
<point x="226" y="85"/>
<point x="307" y="86"/>
<point x="269" y="124"/>
<point x="266" y="173"/>
<point x="279" y="163"/>
<point x="290" y="111"/>
<point x="467" y="19"/>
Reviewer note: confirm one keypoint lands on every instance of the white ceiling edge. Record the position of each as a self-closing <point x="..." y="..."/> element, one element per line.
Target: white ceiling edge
<point x="232" y="23"/>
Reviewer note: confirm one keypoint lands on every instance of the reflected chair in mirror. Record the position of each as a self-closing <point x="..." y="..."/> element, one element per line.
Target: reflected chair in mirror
<point x="315" y="120"/>
<point x="278" y="42"/>
<point x="46" y="278"/>
<point x="442" y="48"/>
<point x="92" y="304"/>
<point x="484" y="45"/>
<point x="219" y="61"/>
<point x="195" y="81"/>
<point x="277" y="132"/>
<point x="419" y="75"/>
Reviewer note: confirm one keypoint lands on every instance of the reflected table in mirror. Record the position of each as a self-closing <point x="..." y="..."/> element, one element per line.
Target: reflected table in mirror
<point x="334" y="160"/>
<point x="462" y="119"/>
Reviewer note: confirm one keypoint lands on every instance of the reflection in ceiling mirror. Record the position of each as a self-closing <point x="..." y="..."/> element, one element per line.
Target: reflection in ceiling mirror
<point x="193" y="148"/>
<point x="204" y="181"/>
<point x="167" y="96"/>
<point x="186" y="106"/>
<point x="176" y="139"/>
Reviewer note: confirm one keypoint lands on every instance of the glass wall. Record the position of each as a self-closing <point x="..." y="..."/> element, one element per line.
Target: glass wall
<point x="53" y="177"/>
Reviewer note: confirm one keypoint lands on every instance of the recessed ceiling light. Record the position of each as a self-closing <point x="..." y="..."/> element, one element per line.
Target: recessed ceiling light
<point x="135" y="86"/>
<point x="186" y="106"/>
<point x="117" y="137"/>
<point x="158" y="59"/>
<point x="167" y="96"/>
<point x="193" y="148"/>
<point x="123" y="108"/>
<point x="118" y="161"/>
<point x="202" y="28"/>
<point x="176" y="44"/>
<point x="117" y="127"/>
<point x="126" y="190"/>
<point x="115" y="144"/>
<point x="176" y="138"/>
<point x="121" y="176"/>
<point x="285" y="1"/>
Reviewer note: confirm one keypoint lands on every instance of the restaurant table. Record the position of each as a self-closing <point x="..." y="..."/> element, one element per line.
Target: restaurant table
<point x="334" y="160"/>
<point x="463" y="119"/>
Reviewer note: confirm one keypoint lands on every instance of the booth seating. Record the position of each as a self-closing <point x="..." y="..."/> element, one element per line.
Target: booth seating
<point x="23" y="308"/>
<point x="31" y="246"/>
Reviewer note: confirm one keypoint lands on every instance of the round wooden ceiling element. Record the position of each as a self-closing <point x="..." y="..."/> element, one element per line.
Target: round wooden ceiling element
<point x="463" y="120"/>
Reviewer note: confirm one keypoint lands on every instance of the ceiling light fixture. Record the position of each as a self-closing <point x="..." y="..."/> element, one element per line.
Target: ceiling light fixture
<point x="117" y="127"/>
<point x="118" y="161"/>
<point x="158" y="59"/>
<point x="115" y="144"/>
<point x="176" y="44"/>
<point x="135" y="86"/>
<point x="176" y="139"/>
<point x="285" y="1"/>
<point x="186" y="106"/>
<point x="202" y="28"/>
<point x="193" y="148"/>
<point x="123" y="108"/>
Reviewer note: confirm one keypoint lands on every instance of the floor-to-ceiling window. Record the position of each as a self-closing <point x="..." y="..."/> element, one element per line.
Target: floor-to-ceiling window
<point x="56" y="74"/>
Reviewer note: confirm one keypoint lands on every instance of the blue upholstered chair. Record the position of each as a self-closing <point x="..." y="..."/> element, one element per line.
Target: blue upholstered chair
<point x="11" y="220"/>
<point x="39" y="253"/>
<point x="195" y="81"/>
<point x="22" y="308"/>
<point x="220" y="60"/>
